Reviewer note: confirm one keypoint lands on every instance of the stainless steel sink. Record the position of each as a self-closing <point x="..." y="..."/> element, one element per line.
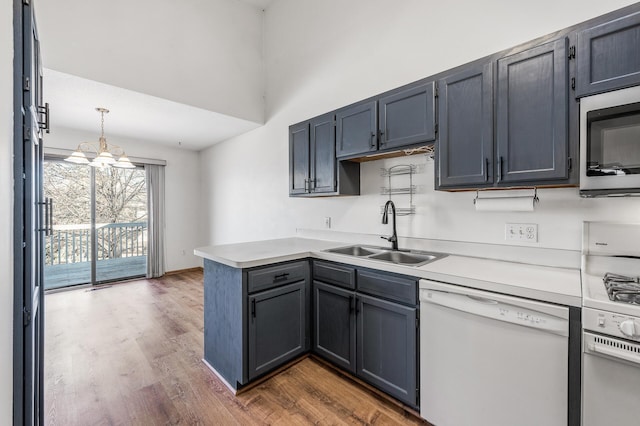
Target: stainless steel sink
<point x="403" y="257"/>
<point x="355" y="251"/>
<point x="400" y="257"/>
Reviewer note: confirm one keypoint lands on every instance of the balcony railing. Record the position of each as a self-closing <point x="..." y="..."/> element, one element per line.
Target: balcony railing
<point x="72" y="243"/>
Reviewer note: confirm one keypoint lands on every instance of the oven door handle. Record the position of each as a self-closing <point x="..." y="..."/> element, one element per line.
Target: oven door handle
<point x="612" y="352"/>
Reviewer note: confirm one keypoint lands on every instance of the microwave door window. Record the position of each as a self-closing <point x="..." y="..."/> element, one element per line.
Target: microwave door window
<point x="613" y="146"/>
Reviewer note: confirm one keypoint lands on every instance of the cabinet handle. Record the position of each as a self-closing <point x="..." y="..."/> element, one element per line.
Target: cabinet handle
<point x="373" y="139"/>
<point x="314" y="185"/>
<point x="499" y="169"/>
<point x="382" y="139"/>
<point x="280" y="277"/>
<point x="486" y="170"/>
<point x="253" y="308"/>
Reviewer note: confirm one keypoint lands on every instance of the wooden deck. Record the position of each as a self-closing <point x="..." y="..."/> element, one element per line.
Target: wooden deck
<point x="64" y="275"/>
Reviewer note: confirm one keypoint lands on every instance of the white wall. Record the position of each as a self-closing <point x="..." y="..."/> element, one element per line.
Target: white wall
<point x="204" y="53"/>
<point x="322" y="55"/>
<point x="6" y="211"/>
<point x="182" y="190"/>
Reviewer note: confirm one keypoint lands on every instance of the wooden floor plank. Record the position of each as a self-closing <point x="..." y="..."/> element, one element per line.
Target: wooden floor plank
<point x="132" y="354"/>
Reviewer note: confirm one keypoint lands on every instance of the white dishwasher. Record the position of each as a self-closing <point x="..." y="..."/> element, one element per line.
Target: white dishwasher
<point x="490" y="359"/>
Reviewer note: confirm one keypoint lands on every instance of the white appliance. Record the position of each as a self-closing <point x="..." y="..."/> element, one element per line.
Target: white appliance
<point x="611" y="324"/>
<point x="610" y="143"/>
<point x="491" y="359"/>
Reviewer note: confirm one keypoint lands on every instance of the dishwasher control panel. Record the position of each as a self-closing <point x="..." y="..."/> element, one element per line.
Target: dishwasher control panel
<point x="617" y="325"/>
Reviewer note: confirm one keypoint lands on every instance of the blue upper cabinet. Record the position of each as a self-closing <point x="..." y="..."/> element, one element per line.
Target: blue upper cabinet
<point x="407" y="117"/>
<point x="357" y="129"/>
<point x="299" y="158"/>
<point x="401" y="118"/>
<point x="532" y="114"/>
<point x="608" y="56"/>
<point x="465" y="141"/>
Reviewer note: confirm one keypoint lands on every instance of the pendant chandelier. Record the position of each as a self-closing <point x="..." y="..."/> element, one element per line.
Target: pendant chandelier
<point x="105" y="154"/>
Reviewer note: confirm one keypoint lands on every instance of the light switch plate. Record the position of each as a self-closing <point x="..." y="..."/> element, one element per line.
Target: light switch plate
<point x="527" y="232"/>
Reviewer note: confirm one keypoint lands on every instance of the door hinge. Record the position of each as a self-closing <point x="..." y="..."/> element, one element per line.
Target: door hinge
<point x="569" y="163"/>
<point x="27" y="133"/>
<point x="26" y="2"/>
<point x="26" y="316"/>
<point x="572" y="52"/>
<point x="24" y="244"/>
<point x="26" y="83"/>
<point x="573" y="83"/>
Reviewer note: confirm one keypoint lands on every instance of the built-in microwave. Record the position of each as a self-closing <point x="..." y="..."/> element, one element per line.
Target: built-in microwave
<point x="610" y="143"/>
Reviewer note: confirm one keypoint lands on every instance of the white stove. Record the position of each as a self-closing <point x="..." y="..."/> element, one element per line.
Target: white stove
<point x="610" y="323"/>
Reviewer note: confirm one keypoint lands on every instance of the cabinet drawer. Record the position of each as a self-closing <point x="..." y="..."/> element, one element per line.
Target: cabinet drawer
<point x="274" y="276"/>
<point x="394" y="287"/>
<point x="340" y="275"/>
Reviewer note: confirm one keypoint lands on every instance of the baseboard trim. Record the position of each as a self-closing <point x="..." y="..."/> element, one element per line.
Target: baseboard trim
<point x="180" y="271"/>
<point x="222" y="379"/>
<point x="255" y="382"/>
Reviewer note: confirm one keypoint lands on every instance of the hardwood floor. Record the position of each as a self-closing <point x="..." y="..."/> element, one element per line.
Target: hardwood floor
<point x="130" y="354"/>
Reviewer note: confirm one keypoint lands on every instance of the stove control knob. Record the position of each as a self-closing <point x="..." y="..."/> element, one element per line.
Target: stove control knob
<point x="628" y="328"/>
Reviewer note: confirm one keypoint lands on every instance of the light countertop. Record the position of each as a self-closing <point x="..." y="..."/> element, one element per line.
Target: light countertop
<point x="550" y="284"/>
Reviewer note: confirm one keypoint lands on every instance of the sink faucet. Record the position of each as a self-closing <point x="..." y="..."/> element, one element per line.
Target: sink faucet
<point x="393" y="239"/>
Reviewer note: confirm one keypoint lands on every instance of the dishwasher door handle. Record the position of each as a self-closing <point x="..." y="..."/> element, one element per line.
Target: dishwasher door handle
<point x="482" y="299"/>
<point x="495" y="310"/>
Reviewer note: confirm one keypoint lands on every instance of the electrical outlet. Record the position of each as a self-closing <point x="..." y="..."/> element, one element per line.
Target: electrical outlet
<point x="327" y="222"/>
<point x="527" y="232"/>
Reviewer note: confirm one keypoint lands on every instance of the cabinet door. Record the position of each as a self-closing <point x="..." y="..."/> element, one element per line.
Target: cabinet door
<point x="357" y="128"/>
<point x="323" y="154"/>
<point x="277" y="324"/>
<point x="298" y="158"/>
<point x="608" y="56"/>
<point x="465" y="140"/>
<point x="335" y="325"/>
<point x="408" y="117"/>
<point x="532" y="115"/>
<point x="387" y="335"/>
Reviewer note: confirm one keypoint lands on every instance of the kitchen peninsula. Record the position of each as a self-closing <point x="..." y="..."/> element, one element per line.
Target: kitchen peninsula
<point x="260" y="296"/>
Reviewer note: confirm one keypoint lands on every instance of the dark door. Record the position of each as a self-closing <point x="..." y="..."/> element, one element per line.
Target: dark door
<point x="357" y="129"/>
<point x="277" y="327"/>
<point x="608" y="56"/>
<point x="323" y="154"/>
<point x="28" y="207"/>
<point x="335" y="325"/>
<point x="299" y="158"/>
<point x="532" y="115"/>
<point x="387" y="335"/>
<point x="408" y="117"/>
<point x="465" y="139"/>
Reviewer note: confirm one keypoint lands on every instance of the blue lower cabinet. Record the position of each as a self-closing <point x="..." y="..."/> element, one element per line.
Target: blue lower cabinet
<point x="335" y="325"/>
<point x="366" y="322"/>
<point x="277" y="327"/>
<point x="387" y="346"/>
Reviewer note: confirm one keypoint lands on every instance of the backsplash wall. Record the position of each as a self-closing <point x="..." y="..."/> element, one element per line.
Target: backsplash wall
<point x="245" y="179"/>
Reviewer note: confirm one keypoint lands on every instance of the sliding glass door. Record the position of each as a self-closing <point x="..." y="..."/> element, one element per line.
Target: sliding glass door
<point x="120" y="223"/>
<point x="99" y="219"/>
